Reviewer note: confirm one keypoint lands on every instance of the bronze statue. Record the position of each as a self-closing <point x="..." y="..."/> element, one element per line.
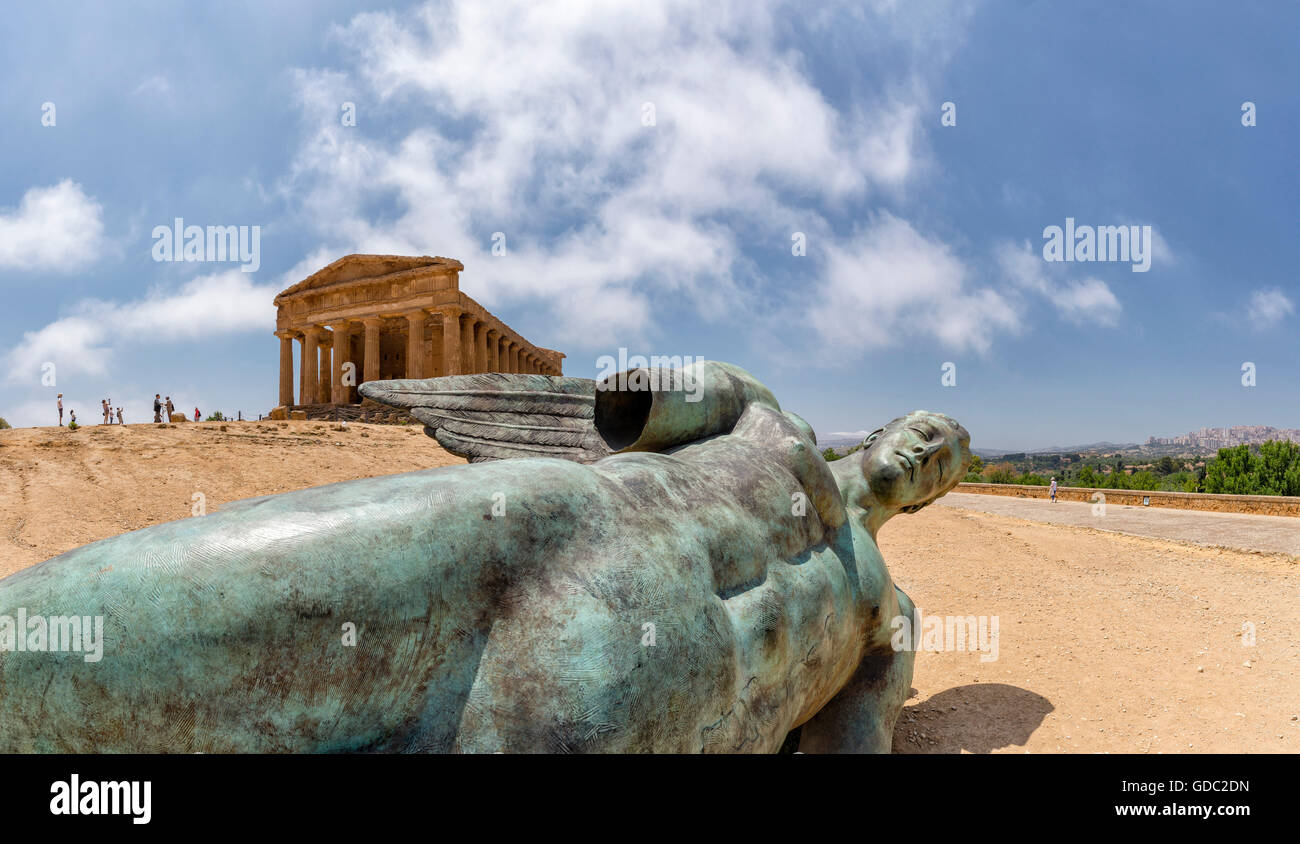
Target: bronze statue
<point x="618" y="570"/>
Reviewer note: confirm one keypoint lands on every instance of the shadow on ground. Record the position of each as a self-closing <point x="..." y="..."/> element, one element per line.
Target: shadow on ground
<point x="978" y="718"/>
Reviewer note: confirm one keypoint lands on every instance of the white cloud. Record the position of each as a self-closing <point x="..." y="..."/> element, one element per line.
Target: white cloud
<point x="1089" y="301"/>
<point x="534" y="128"/>
<point x="1268" y="307"/>
<point x="891" y="282"/>
<point x="84" y="340"/>
<point x="154" y="87"/>
<point x="57" y="228"/>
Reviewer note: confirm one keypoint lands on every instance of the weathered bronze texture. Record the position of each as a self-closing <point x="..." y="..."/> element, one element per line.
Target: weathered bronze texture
<point x="657" y="574"/>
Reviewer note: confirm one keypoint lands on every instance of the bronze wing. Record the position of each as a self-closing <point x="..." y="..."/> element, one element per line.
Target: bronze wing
<point x="494" y="416"/>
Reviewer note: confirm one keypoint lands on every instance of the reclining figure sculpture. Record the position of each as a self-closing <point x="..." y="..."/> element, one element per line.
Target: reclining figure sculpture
<point x="616" y="570"/>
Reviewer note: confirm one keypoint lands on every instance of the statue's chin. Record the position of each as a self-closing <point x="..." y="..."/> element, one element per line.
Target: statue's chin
<point x="888" y="483"/>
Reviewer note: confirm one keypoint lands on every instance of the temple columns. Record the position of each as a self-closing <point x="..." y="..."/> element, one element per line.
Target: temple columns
<point x="481" y="348"/>
<point x="415" y="344"/>
<point x="342" y="337"/>
<point x="450" y="341"/>
<point x="468" y="351"/>
<point x="371" y="352"/>
<point x="286" y="368"/>
<point x="310" y="364"/>
<point x="323" y="366"/>
<point x="494" y="359"/>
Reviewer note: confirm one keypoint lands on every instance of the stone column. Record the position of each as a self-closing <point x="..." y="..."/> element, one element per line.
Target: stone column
<point x="481" y="363"/>
<point x="415" y="344"/>
<point x="371" y="362"/>
<point x="450" y="341"/>
<point x="493" y="341"/>
<point x="286" y="368"/>
<point x="342" y="337"/>
<point x="310" y="363"/>
<point x="507" y="346"/>
<point x="323" y="371"/>
<point x="468" y="352"/>
<point x="514" y="356"/>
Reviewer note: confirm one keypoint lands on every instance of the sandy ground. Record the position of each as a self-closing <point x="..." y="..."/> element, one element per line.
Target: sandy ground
<point x="61" y="489"/>
<point x="1107" y="642"/>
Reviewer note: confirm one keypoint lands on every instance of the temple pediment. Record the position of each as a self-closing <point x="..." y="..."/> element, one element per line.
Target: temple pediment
<point x="355" y="267"/>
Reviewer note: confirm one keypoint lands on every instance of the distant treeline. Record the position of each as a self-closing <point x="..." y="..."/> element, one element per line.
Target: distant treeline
<point x="1272" y="468"/>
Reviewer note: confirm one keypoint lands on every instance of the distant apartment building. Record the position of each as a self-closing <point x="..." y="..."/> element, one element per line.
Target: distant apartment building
<point x="1215" y="438"/>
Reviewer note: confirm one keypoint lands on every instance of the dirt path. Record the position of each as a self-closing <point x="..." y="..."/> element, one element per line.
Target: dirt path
<point x="62" y="488"/>
<point x="1108" y="643"/>
<point x="1273" y="534"/>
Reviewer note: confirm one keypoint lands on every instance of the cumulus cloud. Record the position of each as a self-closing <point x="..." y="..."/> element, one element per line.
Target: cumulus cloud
<point x="1084" y="302"/>
<point x="891" y="282"/>
<point x="629" y="153"/>
<point x="56" y="228"/>
<point x="1268" y="307"/>
<point x="83" y="341"/>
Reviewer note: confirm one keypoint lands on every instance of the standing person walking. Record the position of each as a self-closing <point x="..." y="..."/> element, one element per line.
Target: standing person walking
<point x="196" y="414"/>
<point x="119" y="417"/>
<point x="171" y="408"/>
<point x="60" y="410"/>
<point x="157" y="407"/>
<point x="1053" y="490"/>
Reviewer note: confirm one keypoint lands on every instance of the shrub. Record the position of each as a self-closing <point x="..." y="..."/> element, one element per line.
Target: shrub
<point x="4" y="424"/>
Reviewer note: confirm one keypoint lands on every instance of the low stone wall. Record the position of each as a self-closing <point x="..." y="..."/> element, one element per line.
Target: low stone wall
<point x="365" y="412"/>
<point x="1260" y="505"/>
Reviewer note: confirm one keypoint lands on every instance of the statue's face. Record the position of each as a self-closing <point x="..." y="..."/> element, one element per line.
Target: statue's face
<point x="914" y="459"/>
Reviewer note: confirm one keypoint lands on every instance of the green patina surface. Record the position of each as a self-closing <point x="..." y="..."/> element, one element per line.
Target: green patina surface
<point x="708" y="593"/>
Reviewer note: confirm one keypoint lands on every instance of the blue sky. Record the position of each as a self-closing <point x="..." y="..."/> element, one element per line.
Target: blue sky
<point x="924" y="241"/>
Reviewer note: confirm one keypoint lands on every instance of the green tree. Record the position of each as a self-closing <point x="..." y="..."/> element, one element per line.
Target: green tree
<point x="1276" y="457"/>
<point x="1234" y="472"/>
<point x="1165" y="466"/>
<point x="1143" y="480"/>
<point x="829" y="455"/>
<point x="4" y="424"/>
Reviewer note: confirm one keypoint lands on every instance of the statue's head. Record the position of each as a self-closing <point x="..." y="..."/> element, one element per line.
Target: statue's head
<point x="910" y="462"/>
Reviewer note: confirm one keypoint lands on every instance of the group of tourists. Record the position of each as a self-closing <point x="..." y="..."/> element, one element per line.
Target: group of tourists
<point x="160" y="405"/>
<point x="111" y="414"/>
<point x="106" y="406"/>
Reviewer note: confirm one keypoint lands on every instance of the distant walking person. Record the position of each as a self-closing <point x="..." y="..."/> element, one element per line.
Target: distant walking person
<point x="196" y="414"/>
<point x="1053" y="490"/>
<point x="119" y="417"/>
<point x="103" y="405"/>
<point x="60" y="410"/>
<point x="157" y="407"/>
<point x="171" y="408"/>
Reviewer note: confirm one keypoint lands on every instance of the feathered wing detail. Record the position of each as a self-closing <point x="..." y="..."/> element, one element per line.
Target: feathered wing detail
<point x="494" y="416"/>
